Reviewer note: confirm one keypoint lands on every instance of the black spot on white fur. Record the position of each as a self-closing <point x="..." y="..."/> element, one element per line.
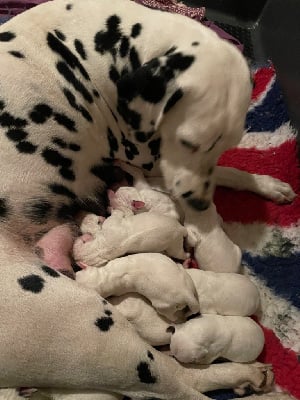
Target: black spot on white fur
<point x="130" y="148"/>
<point x="104" y="323"/>
<point x="80" y="49"/>
<point x="106" y="40"/>
<point x="7" y="36"/>
<point x="38" y="210"/>
<point x="136" y="30"/>
<point x="50" y="271"/>
<point x="16" y="54"/>
<point x="64" y="69"/>
<point x="78" y="107"/>
<point x="32" y="283"/>
<point x="62" y="190"/>
<point x="144" y="373"/>
<point x="26" y="147"/>
<point x="16" y="134"/>
<point x="60" y="35"/>
<point x="66" y="54"/>
<point x="154" y="146"/>
<point x="8" y="120"/>
<point x="41" y="113"/>
<point x="176" y="96"/>
<point x="4" y="209"/>
<point x="148" y="166"/>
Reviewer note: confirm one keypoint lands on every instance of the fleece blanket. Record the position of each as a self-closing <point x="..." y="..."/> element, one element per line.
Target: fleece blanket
<point x="269" y="234"/>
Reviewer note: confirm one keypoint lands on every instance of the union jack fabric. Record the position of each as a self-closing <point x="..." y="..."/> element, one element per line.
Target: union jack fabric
<point x="269" y="234"/>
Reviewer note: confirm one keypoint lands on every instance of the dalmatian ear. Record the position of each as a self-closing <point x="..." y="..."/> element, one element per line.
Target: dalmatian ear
<point x="146" y="94"/>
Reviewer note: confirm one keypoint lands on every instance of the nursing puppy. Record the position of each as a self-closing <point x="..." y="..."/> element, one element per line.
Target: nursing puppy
<point x="122" y="234"/>
<point x="163" y="282"/>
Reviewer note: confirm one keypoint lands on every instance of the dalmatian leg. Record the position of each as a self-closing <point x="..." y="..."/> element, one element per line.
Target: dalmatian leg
<point x="64" y="394"/>
<point x="267" y="186"/>
<point x="213" y="249"/>
<point x="257" y="376"/>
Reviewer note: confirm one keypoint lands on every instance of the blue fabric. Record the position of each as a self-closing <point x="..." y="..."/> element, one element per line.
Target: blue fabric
<point x="269" y="115"/>
<point x="281" y="274"/>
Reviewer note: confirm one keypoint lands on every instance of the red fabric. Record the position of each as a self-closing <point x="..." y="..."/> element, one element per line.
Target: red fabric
<point x="261" y="79"/>
<point x="285" y="363"/>
<point x="245" y="207"/>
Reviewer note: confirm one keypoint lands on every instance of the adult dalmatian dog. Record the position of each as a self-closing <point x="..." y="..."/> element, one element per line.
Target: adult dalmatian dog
<point x="84" y="82"/>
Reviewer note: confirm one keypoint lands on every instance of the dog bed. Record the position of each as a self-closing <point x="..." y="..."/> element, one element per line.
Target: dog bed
<point x="269" y="234"/>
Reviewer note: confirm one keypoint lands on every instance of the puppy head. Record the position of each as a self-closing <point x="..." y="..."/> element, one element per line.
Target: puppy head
<point x="185" y="348"/>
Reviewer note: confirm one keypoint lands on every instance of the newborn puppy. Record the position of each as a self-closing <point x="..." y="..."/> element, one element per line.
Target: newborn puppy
<point x="121" y="234"/>
<point x="204" y="339"/>
<point x="143" y="196"/>
<point x="151" y="326"/>
<point x="163" y="282"/>
<point x="225" y="293"/>
<point x="132" y="201"/>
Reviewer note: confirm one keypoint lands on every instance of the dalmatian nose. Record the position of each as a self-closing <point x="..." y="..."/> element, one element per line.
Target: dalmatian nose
<point x="198" y="204"/>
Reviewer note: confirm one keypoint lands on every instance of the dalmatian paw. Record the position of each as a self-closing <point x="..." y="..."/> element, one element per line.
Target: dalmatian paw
<point x="261" y="379"/>
<point x="274" y="189"/>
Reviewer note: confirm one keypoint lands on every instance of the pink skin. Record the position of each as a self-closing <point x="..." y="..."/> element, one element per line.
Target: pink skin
<point x="137" y="205"/>
<point x="190" y="263"/>
<point x="26" y="392"/>
<point x="55" y="248"/>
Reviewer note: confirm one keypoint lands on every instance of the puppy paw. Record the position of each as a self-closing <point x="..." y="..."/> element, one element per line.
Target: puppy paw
<point x="261" y="379"/>
<point x="275" y="189"/>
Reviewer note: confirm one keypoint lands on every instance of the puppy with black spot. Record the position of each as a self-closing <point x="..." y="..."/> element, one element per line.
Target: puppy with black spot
<point x="209" y="337"/>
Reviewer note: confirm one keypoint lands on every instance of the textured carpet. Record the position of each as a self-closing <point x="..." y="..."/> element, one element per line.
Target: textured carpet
<point x="269" y="234"/>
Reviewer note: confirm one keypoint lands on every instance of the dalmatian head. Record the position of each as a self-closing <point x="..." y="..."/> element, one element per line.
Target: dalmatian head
<point x="197" y="98"/>
<point x="208" y="119"/>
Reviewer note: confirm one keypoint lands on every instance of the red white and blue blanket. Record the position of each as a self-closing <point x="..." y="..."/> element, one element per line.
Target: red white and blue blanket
<point x="269" y="234"/>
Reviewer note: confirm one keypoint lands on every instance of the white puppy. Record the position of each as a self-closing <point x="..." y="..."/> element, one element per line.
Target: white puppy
<point x="143" y="196"/>
<point x="163" y="282"/>
<point x="225" y="293"/>
<point x="121" y="234"/>
<point x="204" y="339"/>
<point x="151" y="326"/>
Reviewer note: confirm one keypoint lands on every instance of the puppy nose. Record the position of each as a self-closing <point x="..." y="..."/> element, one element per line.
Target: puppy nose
<point x="198" y="204"/>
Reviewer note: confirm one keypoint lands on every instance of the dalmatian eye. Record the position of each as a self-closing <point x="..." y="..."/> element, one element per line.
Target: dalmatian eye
<point x="189" y="145"/>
